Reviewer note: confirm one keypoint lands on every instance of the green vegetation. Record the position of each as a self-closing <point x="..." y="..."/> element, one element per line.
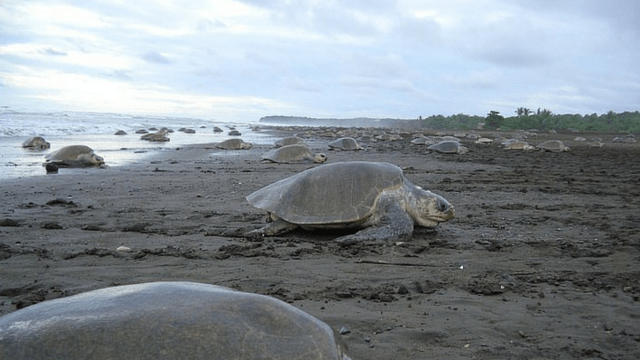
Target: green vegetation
<point x="542" y="119"/>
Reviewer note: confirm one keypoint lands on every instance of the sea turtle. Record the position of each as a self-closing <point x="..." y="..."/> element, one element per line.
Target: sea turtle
<point x="166" y="320"/>
<point x="345" y="143"/>
<point x="36" y="142"/>
<point x="553" y="146"/>
<point x="449" y="147"/>
<point x="426" y="140"/>
<point x="217" y="129"/>
<point x="75" y="156"/>
<point x="293" y="154"/>
<point x="484" y="141"/>
<point x="515" y="144"/>
<point x="373" y="197"/>
<point x="159" y="136"/>
<point x="234" y="144"/>
<point x="291" y="140"/>
<point x="235" y="132"/>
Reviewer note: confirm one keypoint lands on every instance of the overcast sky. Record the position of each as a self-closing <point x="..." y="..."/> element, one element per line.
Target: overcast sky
<point x="240" y="60"/>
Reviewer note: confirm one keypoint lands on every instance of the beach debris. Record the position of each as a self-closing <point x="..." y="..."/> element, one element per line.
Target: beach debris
<point x="293" y="154"/>
<point x="159" y="136"/>
<point x="345" y="143"/>
<point x="449" y="147"/>
<point x="382" y="205"/>
<point x="36" y="143"/>
<point x="123" y="249"/>
<point x="183" y="319"/>
<point x="291" y="140"/>
<point x="553" y="146"/>
<point x="234" y="144"/>
<point x="75" y="156"/>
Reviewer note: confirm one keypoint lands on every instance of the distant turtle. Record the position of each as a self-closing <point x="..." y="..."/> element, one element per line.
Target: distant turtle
<point x="217" y="129"/>
<point x="291" y="140"/>
<point x="514" y="144"/>
<point x="234" y="144"/>
<point x="449" y="147"/>
<point x="426" y="140"/>
<point x="374" y="198"/>
<point x="235" y="132"/>
<point x="293" y="154"/>
<point x="120" y="133"/>
<point x="483" y="141"/>
<point x="345" y="143"/>
<point x="166" y="320"/>
<point x="37" y="143"/>
<point x="553" y="146"/>
<point x="75" y="156"/>
<point x="159" y="136"/>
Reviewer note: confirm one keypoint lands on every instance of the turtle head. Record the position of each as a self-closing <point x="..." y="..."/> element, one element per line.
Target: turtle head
<point x="428" y="209"/>
<point x="320" y="158"/>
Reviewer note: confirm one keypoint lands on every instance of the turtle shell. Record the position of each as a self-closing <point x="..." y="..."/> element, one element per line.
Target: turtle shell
<point x="346" y="143"/>
<point x="75" y="156"/>
<point x="553" y="146"/>
<point x="289" y="154"/>
<point x="36" y="142"/>
<point x="165" y="320"/>
<point x="291" y="140"/>
<point x="233" y="144"/>
<point x="338" y="193"/>
<point x="446" y="147"/>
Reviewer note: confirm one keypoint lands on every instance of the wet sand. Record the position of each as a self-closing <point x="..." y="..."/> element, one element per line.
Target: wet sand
<point x="541" y="261"/>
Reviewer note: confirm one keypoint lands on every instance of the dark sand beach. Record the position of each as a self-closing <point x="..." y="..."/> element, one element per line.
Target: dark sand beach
<point x="542" y="260"/>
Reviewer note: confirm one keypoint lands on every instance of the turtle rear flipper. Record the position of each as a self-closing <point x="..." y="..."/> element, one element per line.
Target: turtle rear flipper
<point x="390" y="224"/>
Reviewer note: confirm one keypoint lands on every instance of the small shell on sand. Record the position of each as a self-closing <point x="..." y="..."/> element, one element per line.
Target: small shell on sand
<point x="123" y="248"/>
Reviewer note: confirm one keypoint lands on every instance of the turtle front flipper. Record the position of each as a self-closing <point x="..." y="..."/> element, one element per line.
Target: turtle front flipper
<point x="274" y="228"/>
<point x="389" y="224"/>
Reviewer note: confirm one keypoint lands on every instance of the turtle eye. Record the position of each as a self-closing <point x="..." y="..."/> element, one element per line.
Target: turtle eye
<point x="442" y="205"/>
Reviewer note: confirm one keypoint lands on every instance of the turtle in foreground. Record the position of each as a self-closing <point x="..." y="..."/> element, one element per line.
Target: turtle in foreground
<point x="345" y="143"/>
<point x="293" y="154"/>
<point x="76" y="156"/>
<point x="166" y="320"/>
<point x="37" y="143"/>
<point x="372" y="197"/>
<point x="449" y="147"/>
<point x="291" y="140"/>
<point x="553" y="146"/>
<point x="158" y="136"/>
<point x="234" y="144"/>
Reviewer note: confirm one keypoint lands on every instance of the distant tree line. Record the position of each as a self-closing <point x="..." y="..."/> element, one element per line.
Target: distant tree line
<point x="542" y="119"/>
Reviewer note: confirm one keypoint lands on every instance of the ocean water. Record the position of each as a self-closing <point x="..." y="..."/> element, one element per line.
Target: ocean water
<point x="97" y="130"/>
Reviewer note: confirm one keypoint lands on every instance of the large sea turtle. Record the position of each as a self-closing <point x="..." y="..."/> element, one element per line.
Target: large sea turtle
<point x="76" y="156"/>
<point x="515" y="144"/>
<point x="234" y="144"/>
<point x="553" y="146"/>
<point x="291" y="140"/>
<point x="36" y="142"/>
<point x="166" y="320"/>
<point x="449" y="147"/>
<point x="345" y="143"/>
<point x="373" y="197"/>
<point x="293" y="154"/>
